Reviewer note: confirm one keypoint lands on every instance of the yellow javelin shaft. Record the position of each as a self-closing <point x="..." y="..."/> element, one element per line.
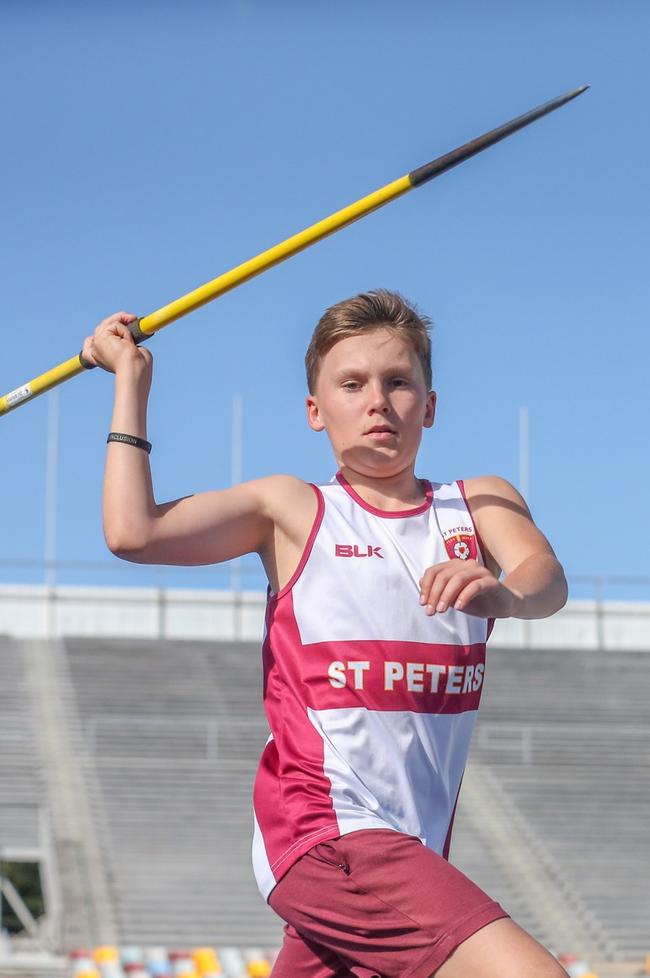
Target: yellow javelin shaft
<point x="148" y="325"/>
<point x="272" y="256"/>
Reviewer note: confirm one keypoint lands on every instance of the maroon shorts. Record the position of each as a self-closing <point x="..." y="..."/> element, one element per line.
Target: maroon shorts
<point x="375" y="904"/>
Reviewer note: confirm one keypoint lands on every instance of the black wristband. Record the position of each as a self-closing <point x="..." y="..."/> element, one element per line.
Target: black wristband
<point x="130" y="440"/>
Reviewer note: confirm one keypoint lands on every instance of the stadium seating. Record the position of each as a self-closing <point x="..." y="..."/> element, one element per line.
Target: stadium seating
<point x="575" y="967"/>
<point x="184" y="721"/>
<point x="167" y="736"/>
<point x="174" y="731"/>
<point x="25" y="830"/>
<point x="208" y="962"/>
<point x="21" y="785"/>
<point x="202" y="962"/>
<point x="564" y="736"/>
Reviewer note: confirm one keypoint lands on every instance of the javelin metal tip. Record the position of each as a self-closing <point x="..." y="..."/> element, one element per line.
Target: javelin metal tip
<point x="563" y="99"/>
<point x="449" y="160"/>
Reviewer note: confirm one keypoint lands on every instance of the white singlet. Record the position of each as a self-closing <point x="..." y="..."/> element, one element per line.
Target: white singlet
<point x="371" y="702"/>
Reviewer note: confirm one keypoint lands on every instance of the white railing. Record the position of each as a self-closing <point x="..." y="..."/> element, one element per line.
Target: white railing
<point x="84" y="598"/>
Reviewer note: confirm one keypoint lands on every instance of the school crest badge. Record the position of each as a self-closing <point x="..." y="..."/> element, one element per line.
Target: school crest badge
<point x="461" y="546"/>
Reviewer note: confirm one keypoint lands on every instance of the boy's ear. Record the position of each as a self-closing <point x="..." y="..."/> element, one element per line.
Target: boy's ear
<point x="430" y="412"/>
<point x="313" y="414"/>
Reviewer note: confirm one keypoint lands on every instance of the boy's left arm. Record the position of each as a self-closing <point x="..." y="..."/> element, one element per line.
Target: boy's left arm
<point x="534" y="585"/>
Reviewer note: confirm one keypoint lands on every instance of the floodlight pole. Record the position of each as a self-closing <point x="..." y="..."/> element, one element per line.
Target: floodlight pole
<point x="51" y="488"/>
<point x="524" y="452"/>
<point x="51" y="509"/>
<point x="236" y="465"/>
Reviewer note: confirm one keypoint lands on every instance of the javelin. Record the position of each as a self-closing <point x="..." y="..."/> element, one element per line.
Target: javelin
<point x="142" y="329"/>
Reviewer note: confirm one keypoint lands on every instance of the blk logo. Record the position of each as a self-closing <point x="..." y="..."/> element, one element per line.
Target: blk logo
<point x="349" y="550"/>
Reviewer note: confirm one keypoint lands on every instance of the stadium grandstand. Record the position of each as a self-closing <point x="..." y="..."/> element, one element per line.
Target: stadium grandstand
<point x="130" y="730"/>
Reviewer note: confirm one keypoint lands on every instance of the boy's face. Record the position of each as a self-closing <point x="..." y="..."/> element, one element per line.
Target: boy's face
<point x="372" y="400"/>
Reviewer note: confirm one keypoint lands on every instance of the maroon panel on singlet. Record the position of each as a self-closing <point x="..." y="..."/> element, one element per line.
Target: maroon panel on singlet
<point x="375" y="674"/>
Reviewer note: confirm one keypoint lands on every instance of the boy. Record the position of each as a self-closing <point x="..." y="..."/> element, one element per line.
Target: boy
<point x="383" y="588"/>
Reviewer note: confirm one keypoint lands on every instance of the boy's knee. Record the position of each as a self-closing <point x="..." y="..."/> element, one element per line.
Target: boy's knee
<point x="501" y="949"/>
<point x="559" y="972"/>
<point x="515" y="969"/>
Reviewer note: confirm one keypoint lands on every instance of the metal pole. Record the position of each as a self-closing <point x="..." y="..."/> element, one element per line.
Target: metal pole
<point x="524" y="489"/>
<point x="236" y="467"/>
<point x="599" y="603"/>
<point x="524" y="452"/>
<point x="51" y="494"/>
<point x="236" y="448"/>
<point x="161" y="603"/>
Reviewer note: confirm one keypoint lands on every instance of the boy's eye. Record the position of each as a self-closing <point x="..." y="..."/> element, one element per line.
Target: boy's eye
<point x="351" y="385"/>
<point x="399" y="382"/>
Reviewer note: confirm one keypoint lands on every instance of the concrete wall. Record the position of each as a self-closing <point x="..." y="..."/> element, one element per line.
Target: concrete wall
<point x="38" y="612"/>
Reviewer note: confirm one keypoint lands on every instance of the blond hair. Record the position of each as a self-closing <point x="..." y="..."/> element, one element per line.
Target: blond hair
<point x="367" y="311"/>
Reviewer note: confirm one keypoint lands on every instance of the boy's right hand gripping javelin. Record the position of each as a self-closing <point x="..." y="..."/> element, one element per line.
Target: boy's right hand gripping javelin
<point x="113" y="348"/>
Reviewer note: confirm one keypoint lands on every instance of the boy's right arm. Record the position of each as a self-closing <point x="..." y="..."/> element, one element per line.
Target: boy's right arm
<point x="264" y="516"/>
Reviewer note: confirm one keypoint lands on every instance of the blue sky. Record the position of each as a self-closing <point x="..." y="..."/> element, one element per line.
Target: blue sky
<point x="150" y="146"/>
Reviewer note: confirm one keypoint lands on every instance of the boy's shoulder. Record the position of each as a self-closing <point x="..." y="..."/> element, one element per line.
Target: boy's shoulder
<point x="495" y="501"/>
<point x="491" y="485"/>
<point x="280" y="493"/>
<point x="503" y="520"/>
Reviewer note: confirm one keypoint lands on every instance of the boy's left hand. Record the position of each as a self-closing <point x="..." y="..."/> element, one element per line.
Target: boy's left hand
<point x="466" y="586"/>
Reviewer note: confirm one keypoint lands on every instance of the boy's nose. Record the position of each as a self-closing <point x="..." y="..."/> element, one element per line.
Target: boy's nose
<point x="378" y="400"/>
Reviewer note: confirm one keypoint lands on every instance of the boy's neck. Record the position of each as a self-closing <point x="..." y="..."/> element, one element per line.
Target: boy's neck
<point x="395" y="492"/>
